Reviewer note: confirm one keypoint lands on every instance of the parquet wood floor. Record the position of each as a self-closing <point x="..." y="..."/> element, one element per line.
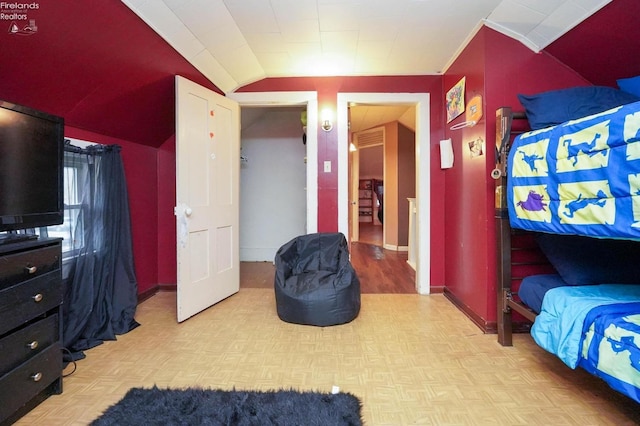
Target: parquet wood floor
<point x="411" y="359"/>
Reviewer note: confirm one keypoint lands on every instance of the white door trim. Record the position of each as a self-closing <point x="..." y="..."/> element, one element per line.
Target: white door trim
<point x="310" y="99"/>
<point x="423" y="171"/>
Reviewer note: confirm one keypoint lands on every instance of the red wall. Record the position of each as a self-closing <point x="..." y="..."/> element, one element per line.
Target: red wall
<point x="167" y="258"/>
<point x="462" y="227"/>
<point x="141" y="171"/>
<point x="467" y="244"/>
<point x="462" y="224"/>
<point x="498" y="68"/>
<point x="605" y="46"/>
<point x="328" y="89"/>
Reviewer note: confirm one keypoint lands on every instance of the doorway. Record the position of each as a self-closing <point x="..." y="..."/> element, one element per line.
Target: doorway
<point x="370" y="192"/>
<point x="288" y="99"/>
<point x="272" y="179"/>
<point x="260" y="274"/>
<point x="422" y="155"/>
<point x="421" y="102"/>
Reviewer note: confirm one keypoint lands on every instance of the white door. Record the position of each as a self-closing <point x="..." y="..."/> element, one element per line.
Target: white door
<point x="207" y="206"/>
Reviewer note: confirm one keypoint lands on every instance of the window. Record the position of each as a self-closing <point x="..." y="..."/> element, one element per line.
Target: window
<point x="72" y="240"/>
<point x="76" y="168"/>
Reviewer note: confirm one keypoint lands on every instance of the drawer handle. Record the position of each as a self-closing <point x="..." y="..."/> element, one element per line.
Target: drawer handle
<point x="38" y="297"/>
<point x="32" y="345"/>
<point x="31" y="269"/>
<point x="36" y="377"/>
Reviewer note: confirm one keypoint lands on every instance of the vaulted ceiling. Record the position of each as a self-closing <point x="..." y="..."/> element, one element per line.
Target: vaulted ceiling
<point x="279" y="38"/>
<point x="105" y="69"/>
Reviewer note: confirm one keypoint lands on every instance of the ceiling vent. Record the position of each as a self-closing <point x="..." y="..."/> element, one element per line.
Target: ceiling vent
<point x="370" y="138"/>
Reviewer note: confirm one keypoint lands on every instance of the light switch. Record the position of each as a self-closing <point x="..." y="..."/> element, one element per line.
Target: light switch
<point x="327" y="166"/>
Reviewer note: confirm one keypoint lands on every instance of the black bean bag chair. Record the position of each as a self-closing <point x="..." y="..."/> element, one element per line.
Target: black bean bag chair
<point x="315" y="283"/>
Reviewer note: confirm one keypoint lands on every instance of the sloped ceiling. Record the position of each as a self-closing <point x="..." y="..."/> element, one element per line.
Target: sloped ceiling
<point x="363" y="117"/>
<point x="236" y="42"/>
<point x="97" y="65"/>
<point x="103" y="69"/>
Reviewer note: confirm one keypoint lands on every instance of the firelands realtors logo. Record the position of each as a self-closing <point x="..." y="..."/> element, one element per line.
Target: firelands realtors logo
<point x="17" y="14"/>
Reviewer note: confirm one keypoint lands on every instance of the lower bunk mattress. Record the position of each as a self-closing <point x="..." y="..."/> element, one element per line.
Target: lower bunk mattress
<point x="596" y="327"/>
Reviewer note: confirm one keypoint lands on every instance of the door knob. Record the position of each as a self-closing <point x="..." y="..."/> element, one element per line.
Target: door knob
<point x="188" y="211"/>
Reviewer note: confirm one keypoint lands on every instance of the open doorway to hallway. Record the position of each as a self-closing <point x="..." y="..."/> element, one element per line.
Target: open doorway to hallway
<point x="383" y="179"/>
<point x="422" y="169"/>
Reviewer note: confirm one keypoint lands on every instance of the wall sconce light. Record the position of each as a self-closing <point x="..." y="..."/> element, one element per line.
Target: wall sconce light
<point x="352" y="147"/>
<point x="326" y="120"/>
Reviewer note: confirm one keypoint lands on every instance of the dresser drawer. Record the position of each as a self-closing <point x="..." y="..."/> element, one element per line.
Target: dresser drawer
<point x="27" y="300"/>
<point x="27" y="342"/>
<point x="24" y="265"/>
<point x="29" y="379"/>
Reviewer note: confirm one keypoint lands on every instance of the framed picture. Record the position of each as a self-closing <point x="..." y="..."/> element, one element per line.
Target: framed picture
<point x="455" y="100"/>
<point x="476" y="147"/>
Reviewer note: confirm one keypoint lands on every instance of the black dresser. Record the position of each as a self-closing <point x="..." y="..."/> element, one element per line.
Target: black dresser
<point x="30" y="325"/>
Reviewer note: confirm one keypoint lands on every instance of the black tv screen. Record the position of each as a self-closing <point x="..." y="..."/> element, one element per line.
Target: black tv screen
<point x="31" y="168"/>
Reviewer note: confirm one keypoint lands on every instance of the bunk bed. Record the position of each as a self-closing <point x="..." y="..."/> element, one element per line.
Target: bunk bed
<point x="568" y="191"/>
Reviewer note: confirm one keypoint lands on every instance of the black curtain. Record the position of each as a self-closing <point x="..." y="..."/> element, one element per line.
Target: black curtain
<point x="100" y="284"/>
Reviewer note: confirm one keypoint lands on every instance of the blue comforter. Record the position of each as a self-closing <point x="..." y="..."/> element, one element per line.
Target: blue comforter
<point x="611" y="346"/>
<point x="596" y="327"/>
<point x="581" y="177"/>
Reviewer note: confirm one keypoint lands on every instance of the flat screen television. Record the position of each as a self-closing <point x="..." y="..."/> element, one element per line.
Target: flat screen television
<point x="31" y="168"/>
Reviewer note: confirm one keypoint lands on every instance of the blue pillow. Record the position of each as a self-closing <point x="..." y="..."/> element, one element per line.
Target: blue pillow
<point x="557" y="106"/>
<point x="533" y="288"/>
<point x="586" y="260"/>
<point x="630" y="85"/>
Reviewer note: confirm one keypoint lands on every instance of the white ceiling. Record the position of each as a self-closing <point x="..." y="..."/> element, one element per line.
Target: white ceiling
<point x="364" y="117"/>
<point x="236" y="42"/>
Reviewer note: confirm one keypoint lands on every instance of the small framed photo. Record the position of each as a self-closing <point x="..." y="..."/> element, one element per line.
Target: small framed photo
<point x="476" y="147"/>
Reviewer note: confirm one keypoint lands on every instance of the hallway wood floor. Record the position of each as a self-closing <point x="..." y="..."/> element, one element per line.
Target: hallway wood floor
<point x="411" y="359"/>
<point x="379" y="270"/>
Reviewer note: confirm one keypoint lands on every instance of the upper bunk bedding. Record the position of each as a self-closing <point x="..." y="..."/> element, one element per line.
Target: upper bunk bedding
<point x="580" y="177"/>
